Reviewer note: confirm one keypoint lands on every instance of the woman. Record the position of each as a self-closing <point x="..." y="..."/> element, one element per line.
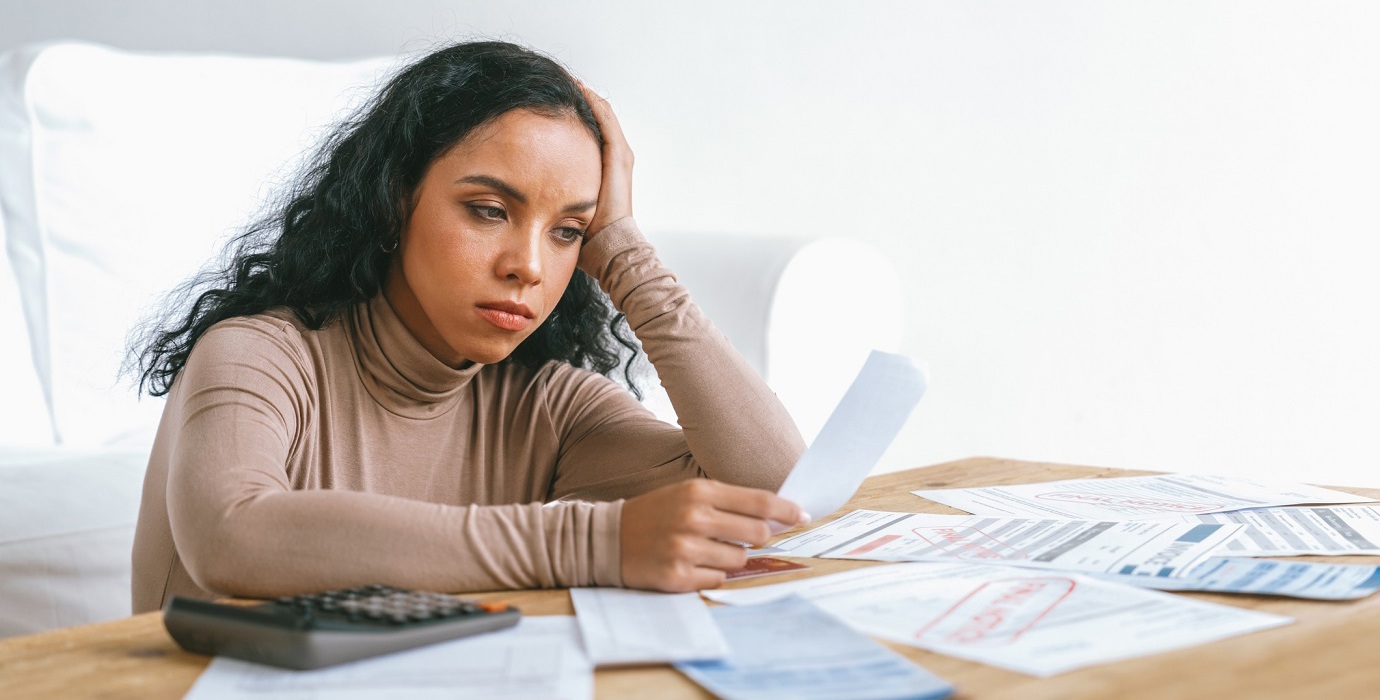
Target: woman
<point x="403" y="364"/>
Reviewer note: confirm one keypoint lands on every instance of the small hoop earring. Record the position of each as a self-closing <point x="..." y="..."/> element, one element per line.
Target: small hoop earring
<point x="389" y="248"/>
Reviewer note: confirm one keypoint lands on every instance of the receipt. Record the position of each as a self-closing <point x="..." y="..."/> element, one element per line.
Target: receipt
<point x="867" y="419"/>
<point x="539" y="659"/>
<point x="624" y="627"/>
<point x="792" y="649"/>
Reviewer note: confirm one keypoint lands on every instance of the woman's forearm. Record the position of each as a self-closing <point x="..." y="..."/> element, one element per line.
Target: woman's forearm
<point x="289" y="542"/>
<point x="736" y="428"/>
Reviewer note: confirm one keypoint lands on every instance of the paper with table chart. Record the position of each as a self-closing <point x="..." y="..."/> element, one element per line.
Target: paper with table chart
<point x="1133" y="497"/>
<point x="540" y="659"/>
<point x="1301" y="530"/>
<point x="791" y="649"/>
<point x="1041" y="623"/>
<point x="622" y="627"/>
<point x="1143" y="548"/>
<point x="867" y="419"/>
<point x="1268" y="577"/>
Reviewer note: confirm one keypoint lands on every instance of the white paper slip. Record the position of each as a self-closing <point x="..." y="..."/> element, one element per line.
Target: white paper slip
<point x="1143" y="548"/>
<point x="622" y="627"/>
<point x="767" y="551"/>
<point x="1133" y="497"/>
<point x="1301" y="530"/>
<point x="792" y="649"/>
<point x="867" y="419"/>
<point x="1269" y="577"/>
<point x="540" y="659"/>
<point x="1033" y="622"/>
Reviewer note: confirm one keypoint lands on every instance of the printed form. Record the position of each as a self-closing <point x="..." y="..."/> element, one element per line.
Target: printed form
<point x="792" y="649"/>
<point x="1133" y="497"/>
<point x="1027" y="621"/>
<point x="1269" y="577"/>
<point x="539" y="659"/>
<point x="1140" y="548"/>
<point x="1302" y="530"/>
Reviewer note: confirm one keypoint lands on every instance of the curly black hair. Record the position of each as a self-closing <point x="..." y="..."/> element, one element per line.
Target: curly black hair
<point x="324" y="245"/>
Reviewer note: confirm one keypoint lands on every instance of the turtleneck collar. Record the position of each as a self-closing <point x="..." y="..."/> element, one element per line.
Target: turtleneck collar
<point x="397" y="370"/>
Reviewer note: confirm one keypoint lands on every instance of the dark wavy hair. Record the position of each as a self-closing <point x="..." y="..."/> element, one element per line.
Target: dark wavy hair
<point x="321" y="247"/>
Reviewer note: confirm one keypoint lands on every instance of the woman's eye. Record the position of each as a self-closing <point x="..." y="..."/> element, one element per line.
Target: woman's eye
<point x="487" y="213"/>
<point x="569" y="234"/>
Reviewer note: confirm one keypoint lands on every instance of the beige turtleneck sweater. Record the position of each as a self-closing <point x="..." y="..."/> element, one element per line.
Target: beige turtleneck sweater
<point x="292" y="460"/>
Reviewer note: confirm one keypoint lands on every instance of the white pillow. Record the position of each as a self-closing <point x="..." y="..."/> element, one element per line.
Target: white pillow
<point x="792" y="307"/>
<point x="23" y="410"/>
<point x="121" y="174"/>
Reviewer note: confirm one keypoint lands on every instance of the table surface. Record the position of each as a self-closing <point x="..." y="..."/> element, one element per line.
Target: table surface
<point x="1326" y="651"/>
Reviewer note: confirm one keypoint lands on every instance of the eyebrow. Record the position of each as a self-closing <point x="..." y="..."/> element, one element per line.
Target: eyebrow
<point x="509" y="190"/>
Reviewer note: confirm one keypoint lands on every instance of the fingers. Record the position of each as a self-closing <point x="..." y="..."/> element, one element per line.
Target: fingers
<point x="614" y="141"/>
<point x="731" y="527"/>
<point x="615" y="191"/>
<point x="706" y="566"/>
<point x="683" y="536"/>
<point x="757" y="503"/>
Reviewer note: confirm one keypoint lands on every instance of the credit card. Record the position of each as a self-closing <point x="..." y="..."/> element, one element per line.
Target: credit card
<point x="764" y="566"/>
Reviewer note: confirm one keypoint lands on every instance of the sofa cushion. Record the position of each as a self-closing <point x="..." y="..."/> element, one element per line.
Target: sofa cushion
<point x="66" y="530"/>
<point x="123" y="173"/>
<point x="23" y="410"/>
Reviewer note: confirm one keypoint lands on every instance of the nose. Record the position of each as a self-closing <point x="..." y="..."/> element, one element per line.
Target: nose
<point x="521" y="257"/>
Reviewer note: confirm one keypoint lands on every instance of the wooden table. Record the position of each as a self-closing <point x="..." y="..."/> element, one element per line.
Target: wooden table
<point x="1327" y="651"/>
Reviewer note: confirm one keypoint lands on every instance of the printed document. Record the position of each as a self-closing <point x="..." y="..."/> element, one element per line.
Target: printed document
<point x="792" y="649"/>
<point x="869" y="416"/>
<point x="621" y="627"/>
<point x="1033" y="622"/>
<point x="1141" y="548"/>
<point x="1301" y="530"/>
<point x="540" y="659"/>
<point x="1269" y="577"/>
<point x="1133" y="497"/>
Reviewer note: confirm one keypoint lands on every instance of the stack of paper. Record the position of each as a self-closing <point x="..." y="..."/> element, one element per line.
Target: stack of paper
<point x="1033" y="622"/>
<point x="1133" y="497"/>
<point x="1153" y="548"/>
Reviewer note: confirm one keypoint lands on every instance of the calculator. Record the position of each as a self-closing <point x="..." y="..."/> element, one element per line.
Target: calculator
<point x="332" y="627"/>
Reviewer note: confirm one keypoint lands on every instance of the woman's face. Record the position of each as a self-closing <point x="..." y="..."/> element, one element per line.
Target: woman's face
<point x="494" y="235"/>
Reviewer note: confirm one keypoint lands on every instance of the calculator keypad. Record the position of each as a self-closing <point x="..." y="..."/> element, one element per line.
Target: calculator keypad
<point x="383" y="605"/>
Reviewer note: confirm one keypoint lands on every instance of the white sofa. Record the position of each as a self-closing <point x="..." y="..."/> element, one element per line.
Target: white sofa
<point x="121" y="173"/>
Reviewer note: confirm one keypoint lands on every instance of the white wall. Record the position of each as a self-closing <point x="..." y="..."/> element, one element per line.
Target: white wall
<point x="1133" y="234"/>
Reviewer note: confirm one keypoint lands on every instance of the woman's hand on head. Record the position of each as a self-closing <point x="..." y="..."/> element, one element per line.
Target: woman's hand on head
<point x="679" y="537"/>
<point x="615" y="190"/>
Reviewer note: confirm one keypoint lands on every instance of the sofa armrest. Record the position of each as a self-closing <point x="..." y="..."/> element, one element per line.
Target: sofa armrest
<point x="803" y="312"/>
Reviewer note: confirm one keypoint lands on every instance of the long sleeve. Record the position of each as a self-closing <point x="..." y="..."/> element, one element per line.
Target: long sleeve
<point x="732" y="426"/>
<point x="292" y="459"/>
<point x="244" y="404"/>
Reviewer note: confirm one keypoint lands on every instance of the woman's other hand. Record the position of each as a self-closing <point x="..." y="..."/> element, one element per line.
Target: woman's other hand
<point x="679" y="537"/>
<point x="615" y="190"/>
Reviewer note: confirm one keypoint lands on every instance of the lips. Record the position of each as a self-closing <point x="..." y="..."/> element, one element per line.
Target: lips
<point x="507" y="315"/>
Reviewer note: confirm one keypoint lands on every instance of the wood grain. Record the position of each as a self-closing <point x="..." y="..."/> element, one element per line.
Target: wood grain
<point x="1326" y="651"/>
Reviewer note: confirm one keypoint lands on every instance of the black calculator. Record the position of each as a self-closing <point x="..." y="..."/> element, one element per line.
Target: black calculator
<point x="323" y="629"/>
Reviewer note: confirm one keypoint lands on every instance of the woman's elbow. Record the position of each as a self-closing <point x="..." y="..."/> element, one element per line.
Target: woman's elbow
<point x="222" y="565"/>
